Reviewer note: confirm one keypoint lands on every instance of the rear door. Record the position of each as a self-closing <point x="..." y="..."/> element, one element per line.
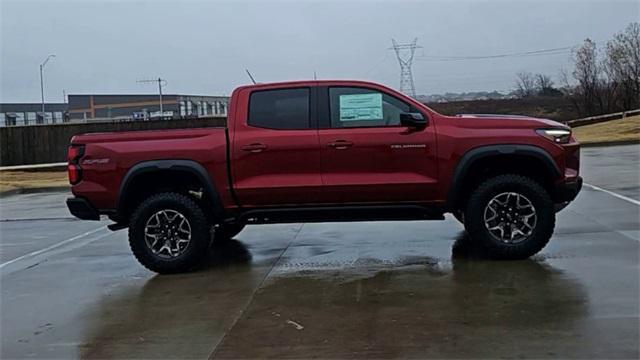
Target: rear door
<point x="367" y="156"/>
<point x="275" y="149"/>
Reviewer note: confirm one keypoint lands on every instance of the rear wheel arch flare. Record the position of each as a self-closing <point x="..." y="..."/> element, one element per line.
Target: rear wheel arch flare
<point x="190" y="167"/>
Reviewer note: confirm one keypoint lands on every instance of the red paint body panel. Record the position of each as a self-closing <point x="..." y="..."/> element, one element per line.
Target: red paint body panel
<point x="296" y="167"/>
<point x="457" y="135"/>
<point x="286" y="172"/>
<point x="101" y="181"/>
<point x="385" y="164"/>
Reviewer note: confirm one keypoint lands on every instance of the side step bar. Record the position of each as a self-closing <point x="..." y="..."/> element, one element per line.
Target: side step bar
<point x="341" y="214"/>
<point x="117" y="226"/>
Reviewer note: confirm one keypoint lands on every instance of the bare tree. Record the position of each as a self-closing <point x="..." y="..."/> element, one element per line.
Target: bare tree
<point x="600" y="82"/>
<point x="622" y="66"/>
<point x="594" y="92"/>
<point x="586" y="74"/>
<point x="570" y="90"/>
<point x="544" y="85"/>
<point x="525" y="84"/>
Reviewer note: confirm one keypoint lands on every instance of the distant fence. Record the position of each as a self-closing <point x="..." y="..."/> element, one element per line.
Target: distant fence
<point x="602" y="118"/>
<point x="23" y="145"/>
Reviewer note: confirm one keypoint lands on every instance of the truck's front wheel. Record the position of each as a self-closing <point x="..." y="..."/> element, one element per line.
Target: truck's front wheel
<point x="512" y="216"/>
<point x="169" y="233"/>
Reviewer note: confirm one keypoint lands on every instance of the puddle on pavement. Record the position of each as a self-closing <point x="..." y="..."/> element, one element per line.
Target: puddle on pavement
<point x="415" y="306"/>
<point x="401" y="306"/>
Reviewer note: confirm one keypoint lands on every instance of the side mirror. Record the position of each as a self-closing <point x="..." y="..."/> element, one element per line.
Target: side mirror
<point x="413" y="120"/>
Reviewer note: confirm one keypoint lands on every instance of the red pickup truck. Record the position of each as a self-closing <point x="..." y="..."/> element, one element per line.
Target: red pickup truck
<point x="316" y="151"/>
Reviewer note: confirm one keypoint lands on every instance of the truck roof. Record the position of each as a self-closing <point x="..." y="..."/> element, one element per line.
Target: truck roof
<point x="312" y="83"/>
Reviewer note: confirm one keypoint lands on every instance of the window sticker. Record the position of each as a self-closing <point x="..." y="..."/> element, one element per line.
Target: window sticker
<point x="356" y="107"/>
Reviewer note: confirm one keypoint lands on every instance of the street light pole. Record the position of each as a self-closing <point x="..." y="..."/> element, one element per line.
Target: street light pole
<point x="42" y="90"/>
<point x="42" y="83"/>
<point x="160" y="91"/>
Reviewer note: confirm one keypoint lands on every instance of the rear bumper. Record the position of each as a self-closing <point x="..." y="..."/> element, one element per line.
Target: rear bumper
<point x="82" y="209"/>
<point x="568" y="190"/>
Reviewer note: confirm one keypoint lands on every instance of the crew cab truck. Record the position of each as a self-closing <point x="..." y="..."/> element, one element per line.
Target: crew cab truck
<point x="318" y="151"/>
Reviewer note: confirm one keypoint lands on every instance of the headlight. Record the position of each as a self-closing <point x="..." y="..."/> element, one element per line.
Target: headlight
<point x="558" y="136"/>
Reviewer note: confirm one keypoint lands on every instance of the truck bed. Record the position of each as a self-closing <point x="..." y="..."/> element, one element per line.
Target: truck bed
<point x="108" y="157"/>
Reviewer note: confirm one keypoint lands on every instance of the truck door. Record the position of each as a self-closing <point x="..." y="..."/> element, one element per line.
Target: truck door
<point x="367" y="156"/>
<point x="275" y="149"/>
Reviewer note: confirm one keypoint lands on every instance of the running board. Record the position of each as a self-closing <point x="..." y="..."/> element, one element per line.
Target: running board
<point x="341" y="214"/>
<point x="117" y="226"/>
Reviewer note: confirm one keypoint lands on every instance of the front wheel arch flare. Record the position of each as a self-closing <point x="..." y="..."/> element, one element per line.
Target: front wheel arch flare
<point x="483" y="152"/>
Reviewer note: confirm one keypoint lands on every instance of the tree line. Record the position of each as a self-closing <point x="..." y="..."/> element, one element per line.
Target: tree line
<point x="601" y="82"/>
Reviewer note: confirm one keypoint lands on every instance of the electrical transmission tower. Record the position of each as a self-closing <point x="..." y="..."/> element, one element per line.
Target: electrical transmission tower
<point x="405" y="52"/>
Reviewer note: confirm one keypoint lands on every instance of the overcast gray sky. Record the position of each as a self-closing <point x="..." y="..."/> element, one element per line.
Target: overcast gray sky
<point x="203" y="47"/>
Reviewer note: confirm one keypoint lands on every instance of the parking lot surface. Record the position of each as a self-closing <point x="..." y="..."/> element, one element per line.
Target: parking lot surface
<point x="339" y="290"/>
<point x="613" y="168"/>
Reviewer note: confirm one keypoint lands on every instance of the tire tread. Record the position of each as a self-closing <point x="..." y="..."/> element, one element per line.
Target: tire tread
<point x="200" y="238"/>
<point x="474" y="217"/>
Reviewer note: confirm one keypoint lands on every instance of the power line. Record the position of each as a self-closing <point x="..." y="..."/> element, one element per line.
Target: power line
<point x="404" y="53"/>
<point x="542" y="52"/>
<point x="371" y="69"/>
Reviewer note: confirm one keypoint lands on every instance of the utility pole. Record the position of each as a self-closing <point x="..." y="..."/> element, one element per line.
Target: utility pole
<point x="42" y="83"/>
<point x="404" y="53"/>
<point x="161" y="83"/>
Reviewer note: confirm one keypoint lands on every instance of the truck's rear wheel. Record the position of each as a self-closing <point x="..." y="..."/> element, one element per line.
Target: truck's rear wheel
<point x="169" y="233"/>
<point x="512" y="216"/>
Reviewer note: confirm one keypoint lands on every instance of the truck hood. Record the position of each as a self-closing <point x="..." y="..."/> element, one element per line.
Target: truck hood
<point x="520" y="118"/>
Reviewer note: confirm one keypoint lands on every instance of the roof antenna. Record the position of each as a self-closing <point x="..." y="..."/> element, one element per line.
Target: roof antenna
<point x="250" y="77"/>
<point x="314" y="75"/>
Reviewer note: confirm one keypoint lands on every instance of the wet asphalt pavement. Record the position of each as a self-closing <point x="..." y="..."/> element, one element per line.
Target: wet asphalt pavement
<point x="341" y="290"/>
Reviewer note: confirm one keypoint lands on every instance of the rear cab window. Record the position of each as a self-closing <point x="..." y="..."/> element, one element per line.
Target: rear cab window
<point x="280" y="109"/>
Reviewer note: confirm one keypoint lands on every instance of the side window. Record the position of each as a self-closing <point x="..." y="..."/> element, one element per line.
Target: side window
<point x="279" y="109"/>
<point x="360" y="107"/>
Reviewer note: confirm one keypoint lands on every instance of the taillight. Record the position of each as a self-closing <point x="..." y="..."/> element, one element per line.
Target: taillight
<point x="74" y="170"/>
<point x="74" y="153"/>
<point x="75" y="173"/>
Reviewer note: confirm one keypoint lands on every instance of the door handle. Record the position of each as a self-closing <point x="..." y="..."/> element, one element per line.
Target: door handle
<point x="340" y="144"/>
<point x="254" y="148"/>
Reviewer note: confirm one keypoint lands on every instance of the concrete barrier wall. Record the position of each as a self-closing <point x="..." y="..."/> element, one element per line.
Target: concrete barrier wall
<point x="23" y="145"/>
<point x="602" y="118"/>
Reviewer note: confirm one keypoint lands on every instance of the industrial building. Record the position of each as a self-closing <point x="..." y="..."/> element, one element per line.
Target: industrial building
<point x="20" y="114"/>
<point x="144" y="107"/>
<point x="119" y="107"/>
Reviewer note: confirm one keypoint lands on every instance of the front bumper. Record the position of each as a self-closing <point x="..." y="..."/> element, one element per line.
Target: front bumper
<point x="82" y="209"/>
<point x="566" y="191"/>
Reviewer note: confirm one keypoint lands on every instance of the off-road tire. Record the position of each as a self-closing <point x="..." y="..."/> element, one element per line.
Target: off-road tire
<point x="196" y="250"/>
<point x="545" y="212"/>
